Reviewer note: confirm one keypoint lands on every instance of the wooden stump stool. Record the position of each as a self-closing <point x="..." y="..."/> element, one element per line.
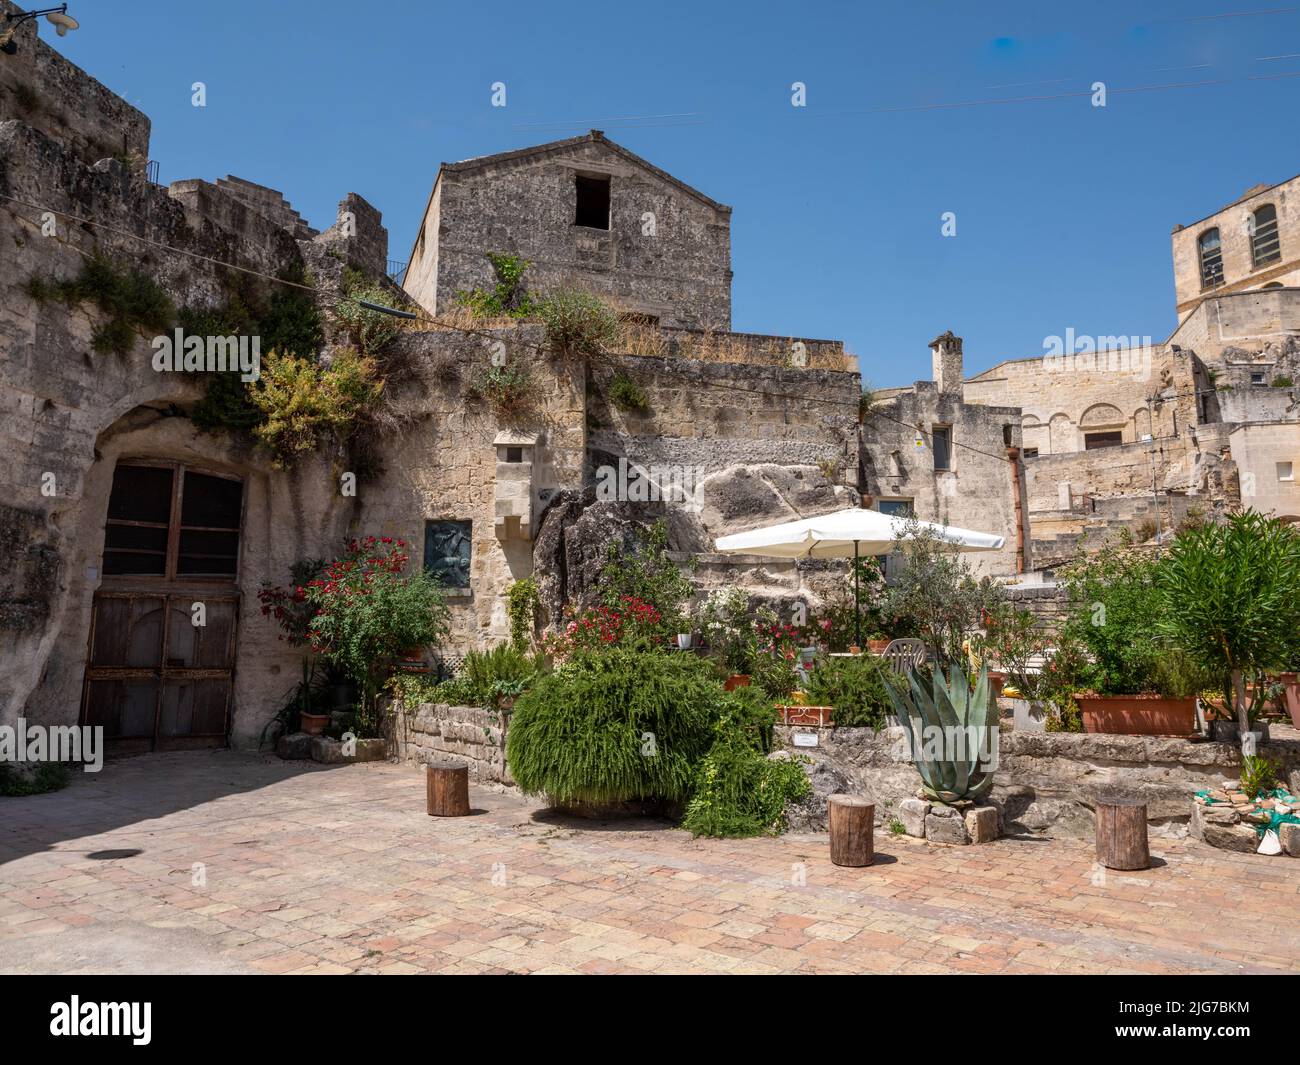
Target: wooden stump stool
<point x="852" y="822"/>
<point x="1122" y="833"/>
<point x="447" y="788"/>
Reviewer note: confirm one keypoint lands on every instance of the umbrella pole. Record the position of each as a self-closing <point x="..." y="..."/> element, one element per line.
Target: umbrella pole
<point x="857" y="600"/>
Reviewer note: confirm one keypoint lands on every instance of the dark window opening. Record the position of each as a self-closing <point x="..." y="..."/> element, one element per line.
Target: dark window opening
<point x="1092" y="441"/>
<point x="1030" y="452"/>
<point x="593" y="202"/>
<point x="169" y="522"/>
<point x="900" y="507"/>
<point x="1211" y="259"/>
<point x="1006" y="435"/>
<point x="514" y="454"/>
<point x="941" y="440"/>
<point x="1257" y="379"/>
<point x="1264" y="244"/>
<point x="447" y="552"/>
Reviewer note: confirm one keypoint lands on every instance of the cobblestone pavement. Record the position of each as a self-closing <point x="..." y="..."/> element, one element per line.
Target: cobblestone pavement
<point x="227" y="862"/>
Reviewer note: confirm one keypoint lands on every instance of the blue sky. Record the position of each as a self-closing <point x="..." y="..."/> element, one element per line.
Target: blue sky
<point x="1063" y="209"/>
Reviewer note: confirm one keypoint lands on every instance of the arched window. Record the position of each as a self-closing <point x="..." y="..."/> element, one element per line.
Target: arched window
<point x="1264" y="244"/>
<point x="1211" y="259"/>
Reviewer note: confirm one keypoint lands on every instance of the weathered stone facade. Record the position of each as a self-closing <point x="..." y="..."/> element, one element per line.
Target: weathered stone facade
<point x="661" y="249"/>
<point x="1255" y="253"/>
<point x="975" y="482"/>
<point x="759" y="441"/>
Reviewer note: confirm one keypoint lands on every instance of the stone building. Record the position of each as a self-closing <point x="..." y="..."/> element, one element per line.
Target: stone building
<point x="929" y="450"/>
<point x="1251" y="244"/>
<point x="584" y="212"/>
<point x="121" y="512"/>
<point x="1123" y="433"/>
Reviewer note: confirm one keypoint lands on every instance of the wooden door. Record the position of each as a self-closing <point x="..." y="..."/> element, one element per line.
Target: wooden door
<point x="160" y="665"/>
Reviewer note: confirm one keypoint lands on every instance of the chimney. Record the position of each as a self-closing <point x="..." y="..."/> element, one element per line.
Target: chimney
<point x="945" y="354"/>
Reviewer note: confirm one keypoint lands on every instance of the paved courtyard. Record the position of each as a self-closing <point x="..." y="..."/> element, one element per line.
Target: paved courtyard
<point x="227" y="862"/>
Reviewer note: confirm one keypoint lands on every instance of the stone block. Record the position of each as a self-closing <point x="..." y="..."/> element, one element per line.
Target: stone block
<point x="294" y="745"/>
<point x="1289" y="834"/>
<point x="1238" y="837"/>
<point x="943" y="824"/>
<point x="913" y="812"/>
<point x="1203" y="816"/>
<point x="982" y="824"/>
<point x="329" y="751"/>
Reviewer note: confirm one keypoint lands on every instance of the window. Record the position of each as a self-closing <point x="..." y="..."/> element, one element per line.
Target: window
<point x="1092" y="441"/>
<point x="168" y="521"/>
<point x="593" y="201"/>
<point x="1257" y="379"/>
<point x="447" y="552"/>
<point x="1285" y="472"/>
<point x="899" y="507"/>
<point x="1211" y="259"/>
<point x="514" y="454"/>
<point x="941" y="441"/>
<point x="1030" y="452"/>
<point x="1264" y="244"/>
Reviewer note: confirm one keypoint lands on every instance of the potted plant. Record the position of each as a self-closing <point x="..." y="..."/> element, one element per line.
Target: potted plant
<point x="1115" y="611"/>
<point x="1290" y="681"/>
<point x="1232" y="597"/>
<point x="724" y="622"/>
<point x="367" y="611"/>
<point x="1015" y="641"/>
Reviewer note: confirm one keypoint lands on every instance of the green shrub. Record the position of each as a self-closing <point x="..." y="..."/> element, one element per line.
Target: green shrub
<point x="1258" y="774"/>
<point x="522" y="604"/>
<point x="626" y="394"/>
<point x="135" y="304"/>
<point x="1230" y="597"/>
<point x="507" y="298"/>
<point x="509" y="390"/>
<point x="16" y="781"/>
<point x="855" y="687"/>
<point x="618" y="725"/>
<point x="1283" y="381"/>
<point x="489" y="677"/>
<point x="304" y="404"/>
<point x="370" y="332"/>
<point x="738" y="791"/>
<point x="647" y="574"/>
<point x="1115" y="610"/>
<point x="579" y="324"/>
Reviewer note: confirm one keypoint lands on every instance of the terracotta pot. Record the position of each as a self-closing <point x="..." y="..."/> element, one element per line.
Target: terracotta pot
<point x="736" y="680"/>
<point x="1291" y="684"/>
<point x="1138" y="715"/>
<point x="997" y="681"/>
<point x="314" y="724"/>
<point x="878" y="646"/>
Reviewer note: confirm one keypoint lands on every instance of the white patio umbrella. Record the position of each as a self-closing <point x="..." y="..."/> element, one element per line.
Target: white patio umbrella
<point x="848" y="533"/>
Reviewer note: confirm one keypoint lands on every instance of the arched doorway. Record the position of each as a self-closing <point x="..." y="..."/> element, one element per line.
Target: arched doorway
<point x="160" y="664"/>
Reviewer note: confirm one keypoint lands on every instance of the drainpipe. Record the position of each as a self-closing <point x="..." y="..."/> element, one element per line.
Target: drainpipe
<point x="1013" y="456"/>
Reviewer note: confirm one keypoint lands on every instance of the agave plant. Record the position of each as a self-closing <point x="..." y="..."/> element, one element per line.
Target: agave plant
<point x="949" y="743"/>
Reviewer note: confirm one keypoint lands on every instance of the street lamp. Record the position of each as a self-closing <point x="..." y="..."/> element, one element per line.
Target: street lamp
<point x="57" y="16"/>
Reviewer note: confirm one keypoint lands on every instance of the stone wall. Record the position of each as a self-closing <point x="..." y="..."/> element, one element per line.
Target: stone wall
<point x="1268" y="457"/>
<point x="666" y="253"/>
<point x="45" y="91"/>
<point x="469" y="734"/>
<point x="1046" y="783"/>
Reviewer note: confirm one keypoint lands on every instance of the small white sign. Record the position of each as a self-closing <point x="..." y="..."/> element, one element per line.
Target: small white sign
<point x="805" y="739"/>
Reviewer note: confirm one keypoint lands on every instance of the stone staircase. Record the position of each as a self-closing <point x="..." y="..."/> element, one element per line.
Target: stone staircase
<point x="268" y="203"/>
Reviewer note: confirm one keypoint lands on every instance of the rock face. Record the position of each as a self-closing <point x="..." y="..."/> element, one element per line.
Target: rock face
<point x="809" y="813"/>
